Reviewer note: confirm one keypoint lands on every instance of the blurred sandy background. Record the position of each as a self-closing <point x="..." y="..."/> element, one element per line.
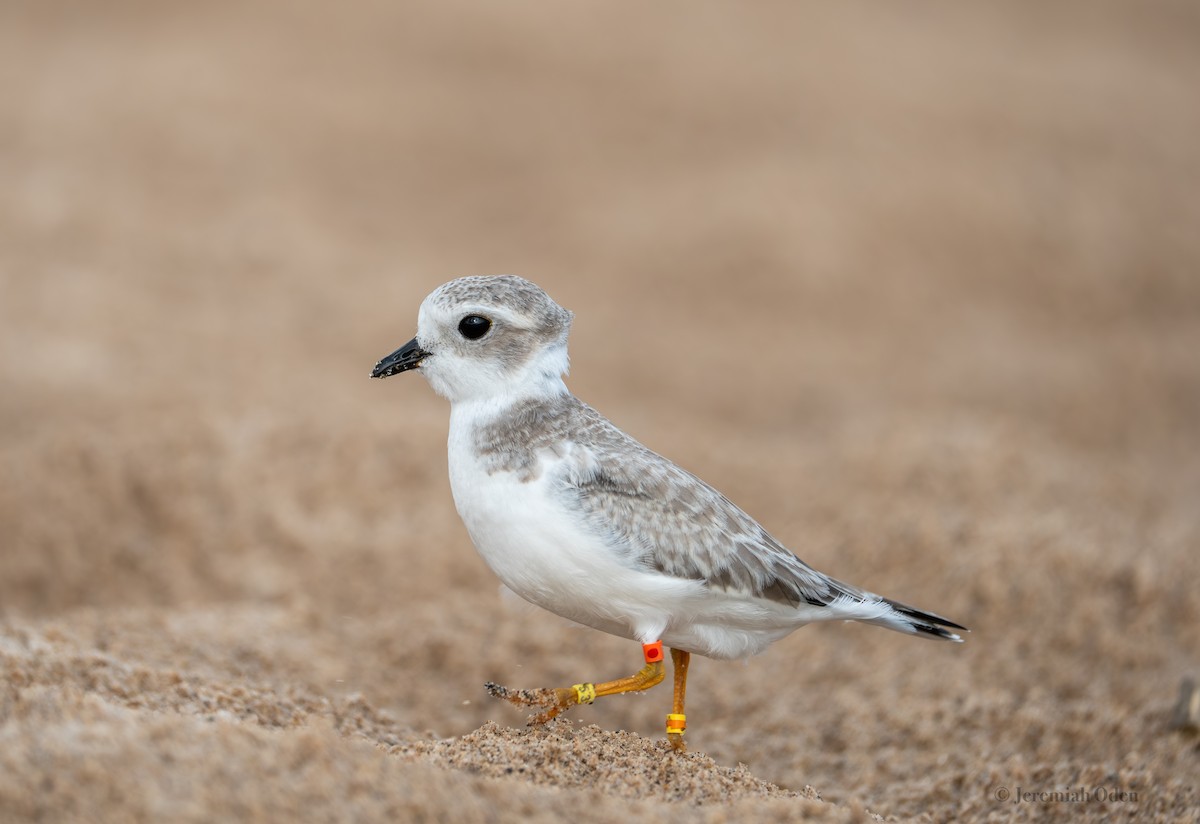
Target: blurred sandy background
<point x="917" y="285"/>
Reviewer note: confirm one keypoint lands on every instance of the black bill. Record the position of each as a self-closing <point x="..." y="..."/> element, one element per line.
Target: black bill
<point x="408" y="356"/>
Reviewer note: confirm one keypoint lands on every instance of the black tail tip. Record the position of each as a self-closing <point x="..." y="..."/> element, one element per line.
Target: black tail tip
<point x="930" y="631"/>
<point x="929" y="624"/>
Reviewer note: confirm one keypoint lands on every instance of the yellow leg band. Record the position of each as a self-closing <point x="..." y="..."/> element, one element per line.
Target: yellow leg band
<point x="584" y="693"/>
<point x="676" y="723"/>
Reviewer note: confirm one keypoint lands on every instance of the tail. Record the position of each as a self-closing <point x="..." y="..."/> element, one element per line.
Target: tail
<point x="903" y="618"/>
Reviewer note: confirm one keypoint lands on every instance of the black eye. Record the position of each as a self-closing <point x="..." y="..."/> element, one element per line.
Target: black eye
<point x="474" y="327"/>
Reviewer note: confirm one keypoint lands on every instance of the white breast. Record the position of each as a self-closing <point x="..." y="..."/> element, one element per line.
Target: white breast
<point x="544" y="553"/>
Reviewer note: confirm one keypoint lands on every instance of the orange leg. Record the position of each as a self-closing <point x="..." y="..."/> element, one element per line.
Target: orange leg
<point x="555" y="701"/>
<point x="677" y="721"/>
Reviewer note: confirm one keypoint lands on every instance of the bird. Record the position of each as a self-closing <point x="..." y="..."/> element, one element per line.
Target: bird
<point x="579" y="518"/>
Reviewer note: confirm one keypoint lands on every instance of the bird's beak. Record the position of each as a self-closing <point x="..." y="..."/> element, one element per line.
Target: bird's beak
<point x="408" y="356"/>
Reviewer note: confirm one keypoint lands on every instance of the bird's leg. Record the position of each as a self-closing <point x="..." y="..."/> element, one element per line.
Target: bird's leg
<point x="677" y="721"/>
<point x="557" y="700"/>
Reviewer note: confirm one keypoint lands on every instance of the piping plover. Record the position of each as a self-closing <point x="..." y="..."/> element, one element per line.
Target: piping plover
<point x="580" y="519"/>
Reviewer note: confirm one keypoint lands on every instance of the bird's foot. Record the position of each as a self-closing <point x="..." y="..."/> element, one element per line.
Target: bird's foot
<point x="552" y="701"/>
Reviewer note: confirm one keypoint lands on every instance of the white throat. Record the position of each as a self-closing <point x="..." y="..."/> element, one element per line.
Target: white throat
<point x="484" y="384"/>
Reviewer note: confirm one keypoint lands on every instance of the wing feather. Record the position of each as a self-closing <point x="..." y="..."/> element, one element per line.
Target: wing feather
<point x="667" y="519"/>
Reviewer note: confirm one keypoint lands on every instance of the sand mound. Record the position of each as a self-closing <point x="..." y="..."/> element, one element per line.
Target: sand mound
<point x="84" y="733"/>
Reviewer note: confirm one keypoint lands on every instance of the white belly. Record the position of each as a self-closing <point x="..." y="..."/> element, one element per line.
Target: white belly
<point x="535" y="546"/>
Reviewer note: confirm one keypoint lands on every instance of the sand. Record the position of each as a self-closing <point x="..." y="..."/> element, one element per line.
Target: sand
<point x="917" y="286"/>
